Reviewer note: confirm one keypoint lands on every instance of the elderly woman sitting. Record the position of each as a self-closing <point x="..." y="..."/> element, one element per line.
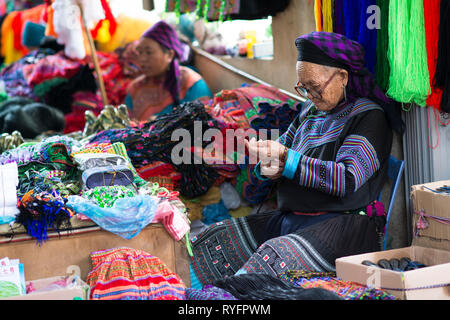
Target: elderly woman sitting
<point x="328" y="167"/>
<point x="163" y="83"/>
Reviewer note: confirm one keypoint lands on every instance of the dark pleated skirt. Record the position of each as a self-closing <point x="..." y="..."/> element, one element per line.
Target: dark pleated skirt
<point x="266" y="243"/>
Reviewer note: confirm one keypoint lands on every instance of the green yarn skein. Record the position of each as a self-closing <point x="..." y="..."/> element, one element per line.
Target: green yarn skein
<point x="407" y="52"/>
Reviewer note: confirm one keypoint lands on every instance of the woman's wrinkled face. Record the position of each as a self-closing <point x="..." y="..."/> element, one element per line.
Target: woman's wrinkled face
<point x="151" y="58"/>
<point x="327" y="82"/>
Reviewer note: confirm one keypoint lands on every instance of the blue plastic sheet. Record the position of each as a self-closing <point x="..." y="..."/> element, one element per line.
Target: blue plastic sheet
<point x="126" y="218"/>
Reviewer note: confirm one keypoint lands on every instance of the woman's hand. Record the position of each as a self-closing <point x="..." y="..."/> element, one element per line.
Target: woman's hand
<point x="272" y="155"/>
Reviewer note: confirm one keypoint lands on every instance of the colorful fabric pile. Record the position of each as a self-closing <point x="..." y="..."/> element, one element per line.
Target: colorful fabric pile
<point x="152" y="142"/>
<point x="348" y="290"/>
<point x="129" y="274"/>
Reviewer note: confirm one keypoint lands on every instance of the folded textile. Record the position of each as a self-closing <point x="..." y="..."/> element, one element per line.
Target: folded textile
<point x="130" y="274"/>
<point x="208" y="292"/>
<point x="49" y="67"/>
<point x="267" y="287"/>
<point x="215" y="213"/>
<point x="29" y="118"/>
<point x="8" y="194"/>
<point x="152" y="141"/>
<point x="173" y="219"/>
<point x="348" y="290"/>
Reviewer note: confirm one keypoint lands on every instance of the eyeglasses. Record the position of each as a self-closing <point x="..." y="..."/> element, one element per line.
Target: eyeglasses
<point x="311" y="93"/>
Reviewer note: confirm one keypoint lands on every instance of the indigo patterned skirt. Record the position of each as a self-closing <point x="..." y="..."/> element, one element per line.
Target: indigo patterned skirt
<point x="273" y="243"/>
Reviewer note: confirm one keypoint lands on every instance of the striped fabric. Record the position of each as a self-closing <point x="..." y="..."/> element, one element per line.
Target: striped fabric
<point x="356" y="158"/>
<point x="129" y="274"/>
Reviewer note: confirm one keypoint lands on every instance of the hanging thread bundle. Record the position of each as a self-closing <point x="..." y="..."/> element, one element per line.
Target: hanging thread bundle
<point x="442" y="75"/>
<point x="327" y="15"/>
<point x="432" y="19"/>
<point x="407" y="53"/>
<point x="382" y="65"/>
<point x="318" y="14"/>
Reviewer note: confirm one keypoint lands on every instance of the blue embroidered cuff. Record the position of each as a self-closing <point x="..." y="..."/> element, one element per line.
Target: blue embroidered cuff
<point x="293" y="158"/>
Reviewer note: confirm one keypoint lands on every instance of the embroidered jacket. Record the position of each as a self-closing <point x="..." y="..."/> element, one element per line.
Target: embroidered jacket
<point x="337" y="161"/>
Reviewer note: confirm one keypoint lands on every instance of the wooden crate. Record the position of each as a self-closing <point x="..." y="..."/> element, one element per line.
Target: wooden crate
<point x="56" y="256"/>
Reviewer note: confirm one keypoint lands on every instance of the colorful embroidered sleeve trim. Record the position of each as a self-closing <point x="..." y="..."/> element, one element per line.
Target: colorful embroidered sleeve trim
<point x="291" y="165"/>
<point x="359" y="157"/>
<point x="327" y="176"/>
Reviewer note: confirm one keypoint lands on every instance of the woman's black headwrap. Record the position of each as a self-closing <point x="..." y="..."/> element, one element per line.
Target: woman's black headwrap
<point x="335" y="50"/>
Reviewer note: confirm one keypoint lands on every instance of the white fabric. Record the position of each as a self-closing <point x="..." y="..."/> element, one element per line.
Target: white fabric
<point x="9" y="179"/>
<point x="68" y="27"/>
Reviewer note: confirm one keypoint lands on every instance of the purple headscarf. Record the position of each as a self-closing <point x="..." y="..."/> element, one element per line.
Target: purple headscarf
<point x="166" y="36"/>
<point x="336" y="50"/>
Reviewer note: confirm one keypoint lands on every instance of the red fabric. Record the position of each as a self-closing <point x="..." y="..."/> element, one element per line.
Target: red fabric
<point x="17" y="29"/>
<point x="82" y="101"/>
<point x="116" y="83"/>
<point x="53" y="66"/>
<point x="432" y="19"/>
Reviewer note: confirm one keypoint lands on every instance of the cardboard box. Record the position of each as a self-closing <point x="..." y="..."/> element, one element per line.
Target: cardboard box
<point x="428" y="283"/>
<point x="78" y="292"/>
<point x="434" y="233"/>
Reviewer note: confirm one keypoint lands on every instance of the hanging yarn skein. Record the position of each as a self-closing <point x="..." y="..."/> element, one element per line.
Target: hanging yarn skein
<point x="327" y="15"/>
<point x="432" y="18"/>
<point x="338" y="17"/>
<point x="407" y="54"/>
<point x="382" y="66"/>
<point x="356" y="17"/>
<point x="442" y="75"/>
<point x="367" y="35"/>
<point x="318" y="14"/>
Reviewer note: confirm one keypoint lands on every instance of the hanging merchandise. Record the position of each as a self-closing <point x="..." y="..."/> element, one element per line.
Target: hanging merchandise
<point x="327" y="15"/>
<point x="356" y="26"/>
<point x="442" y="74"/>
<point x="407" y="53"/>
<point x="219" y="10"/>
<point x="338" y="17"/>
<point x="382" y="66"/>
<point x="67" y="24"/>
<point x="105" y="28"/>
<point x="432" y="13"/>
<point x="8" y="195"/>
<point x="211" y="10"/>
<point x="318" y="14"/>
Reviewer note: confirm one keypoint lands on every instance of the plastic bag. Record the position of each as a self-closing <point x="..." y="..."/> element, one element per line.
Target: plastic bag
<point x="126" y="218"/>
<point x="229" y="195"/>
